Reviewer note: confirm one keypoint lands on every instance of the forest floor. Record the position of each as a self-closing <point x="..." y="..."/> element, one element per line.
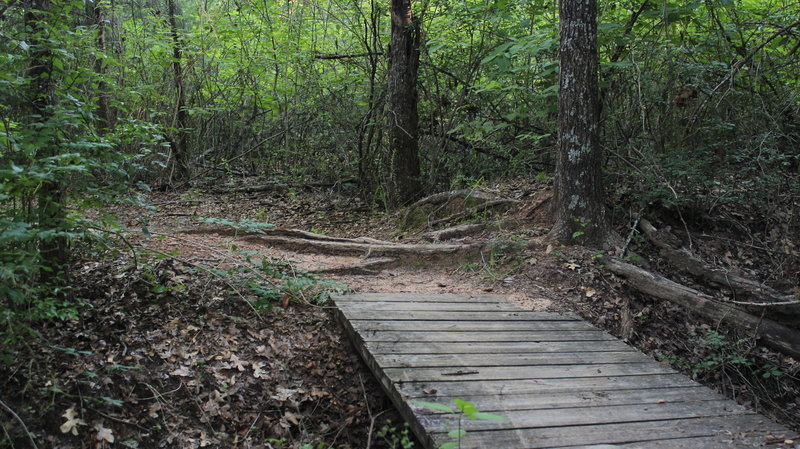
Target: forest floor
<point x="207" y="339"/>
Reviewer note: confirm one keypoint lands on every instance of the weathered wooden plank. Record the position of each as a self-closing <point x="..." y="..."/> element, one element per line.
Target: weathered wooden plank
<point x="530" y="360"/>
<point x="470" y="326"/>
<point x="420" y="297"/>
<point x="377" y="335"/>
<point x="486" y="347"/>
<point x="394" y="306"/>
<point x="574" y="416"/>
<point x="560" y="382"/>
<point x="456" y="387"/>
<point x="720" y="441"/>
<point x="744" y="430"/>
<point x="497" y="403"/>
<point x="466" y="373"/>
<point x="431" y="315"/>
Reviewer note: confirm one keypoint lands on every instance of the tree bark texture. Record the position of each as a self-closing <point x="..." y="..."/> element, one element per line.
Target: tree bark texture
<point x="103" y="109"/>
<point x="51" y="197"/>
<point x="404" y="168"/>
<point x="180" y="169"/>
<point x="580" y="216"/>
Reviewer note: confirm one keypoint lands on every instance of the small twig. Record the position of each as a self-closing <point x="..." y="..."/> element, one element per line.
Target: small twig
<point x="21" y="422"/>
<point x="250" y="429"/>
<point x="119" y="420"/>
<point x="372" y="420"/>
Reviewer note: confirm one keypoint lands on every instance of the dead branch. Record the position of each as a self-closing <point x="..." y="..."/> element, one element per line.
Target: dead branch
<point x="21" y="422"/>
<point x="773" y="334"/>
<point x="271" y="187"/>
<point x="348" y="56"/>
<point x="685" y="260"/>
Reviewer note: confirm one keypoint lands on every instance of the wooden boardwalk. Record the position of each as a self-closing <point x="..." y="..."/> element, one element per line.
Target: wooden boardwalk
<point x="558" y="381"/>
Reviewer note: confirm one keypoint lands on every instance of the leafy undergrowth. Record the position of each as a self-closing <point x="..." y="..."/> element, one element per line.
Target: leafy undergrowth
<point x="169" y="356"/>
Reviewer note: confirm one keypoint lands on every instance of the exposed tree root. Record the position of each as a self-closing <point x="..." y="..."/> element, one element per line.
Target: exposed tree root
<point x="454" y="232"/>
<point x="365" y="267"/>
<point x="303" y="241"/>
<point x="773" y="334"/>
<point x="444" y="202"/>
<point x="782" y="306"/>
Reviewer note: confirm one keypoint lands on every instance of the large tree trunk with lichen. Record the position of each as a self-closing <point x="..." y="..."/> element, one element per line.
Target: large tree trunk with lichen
<point x="403" y="158"/>
<point x="580" y="216"/>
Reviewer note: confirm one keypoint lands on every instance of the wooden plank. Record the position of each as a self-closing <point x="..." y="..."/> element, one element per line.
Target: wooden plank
<point x="495" y="336"/>
<point x="431" y="315"/>
<point x="560" y="382"/>
<point x="745" y="430"/>
<point x="571" y="399"/>
<point x="530" y="360"/>
<point x="720" y="441"/>
<point x="420" y="297"/>
<point x="389" y="306"/>
<point x="470" y="326"/>
<point x="577" y="416"/>
<point x="485" y="347"/>
<point x="428" y="391"/>
<point x="466" y="373"/>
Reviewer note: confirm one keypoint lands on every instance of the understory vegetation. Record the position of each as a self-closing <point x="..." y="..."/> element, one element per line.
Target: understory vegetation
<point x="248" y="116"/>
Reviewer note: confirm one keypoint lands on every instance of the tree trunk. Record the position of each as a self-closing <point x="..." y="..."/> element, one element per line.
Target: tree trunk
<point x="103" y="109"/>
<point x="404" y="171"/>
<point x="51" y="195"/>
<point x="580" y="216"/>
<point x="180" y="166"/>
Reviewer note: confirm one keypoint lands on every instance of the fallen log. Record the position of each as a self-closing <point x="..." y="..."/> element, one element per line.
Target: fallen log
<point x="779" y="303"/>
<point x="773" y="334"/>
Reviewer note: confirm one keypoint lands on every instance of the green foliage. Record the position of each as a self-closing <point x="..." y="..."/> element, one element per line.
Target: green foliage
<point x="56" y="164"/>
<point x="462" y="409"/>
<point x="716" y="352"/>
<point x="394" y="437"/>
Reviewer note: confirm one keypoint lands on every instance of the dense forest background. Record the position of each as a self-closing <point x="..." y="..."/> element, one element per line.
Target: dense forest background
<point x="102" y="101"/>
<point x="699" y="103"/>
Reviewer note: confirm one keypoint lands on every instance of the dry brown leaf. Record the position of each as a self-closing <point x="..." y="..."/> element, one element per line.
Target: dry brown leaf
<point x="182" y="371"/>
<point x="72" y="423"/>
<point x="103" y="433"/>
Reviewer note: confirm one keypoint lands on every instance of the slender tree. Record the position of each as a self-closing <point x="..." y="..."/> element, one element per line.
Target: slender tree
<point x="103" y="110"/>
<point x="179" y="146"/>
<point x="53" y="246"/>
<point x="404" y="170"/>
<point x="580" y="215"/>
